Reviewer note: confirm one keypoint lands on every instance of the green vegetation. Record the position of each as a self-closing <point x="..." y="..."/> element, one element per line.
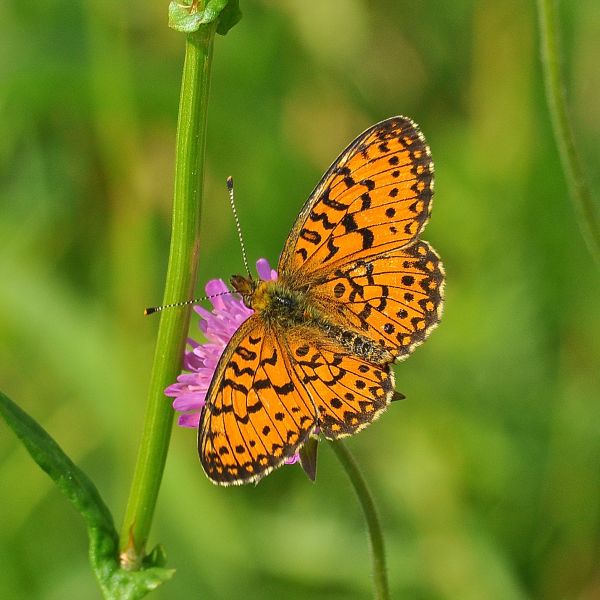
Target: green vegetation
<point x="486" y="477"/>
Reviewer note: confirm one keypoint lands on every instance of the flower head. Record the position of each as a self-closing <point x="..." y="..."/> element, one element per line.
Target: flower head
<point x="200" y="360"/>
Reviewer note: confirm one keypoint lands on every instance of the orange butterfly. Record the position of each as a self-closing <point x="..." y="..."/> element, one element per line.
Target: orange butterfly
<point x="357" y="290"/>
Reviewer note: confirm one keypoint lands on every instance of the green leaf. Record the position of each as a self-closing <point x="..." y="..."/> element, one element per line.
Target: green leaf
<point x="188" y="18"/>
<point x="133" y="585"/>
<point x="184" y="18"/>
<point x="115" y="582"/>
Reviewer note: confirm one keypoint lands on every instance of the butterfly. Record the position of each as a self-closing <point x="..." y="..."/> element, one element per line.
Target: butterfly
<point x="357" y="290"/>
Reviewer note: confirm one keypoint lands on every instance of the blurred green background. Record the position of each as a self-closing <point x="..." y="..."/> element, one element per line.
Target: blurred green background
<point x="488" y="476"/>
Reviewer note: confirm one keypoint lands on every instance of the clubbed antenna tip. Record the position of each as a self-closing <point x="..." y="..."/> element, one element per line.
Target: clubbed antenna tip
<point x="237" y="224"/>
<point x="154" y="309"/>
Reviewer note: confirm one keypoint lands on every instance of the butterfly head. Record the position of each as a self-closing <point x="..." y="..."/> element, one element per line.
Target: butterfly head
<point x="247" y="289"/>
<point x="264" y="296"/>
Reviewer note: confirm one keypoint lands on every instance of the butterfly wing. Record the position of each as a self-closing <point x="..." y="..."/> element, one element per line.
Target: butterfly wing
<point x="256" y="415"/>
<point x="354" y="249"/>
<point x="375" y="197"/>
<point x="347" y="391"/>
<point x="395" y="298"/>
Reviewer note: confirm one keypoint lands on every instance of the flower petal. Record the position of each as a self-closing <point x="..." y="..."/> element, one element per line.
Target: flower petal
<point x="263" y="268"/>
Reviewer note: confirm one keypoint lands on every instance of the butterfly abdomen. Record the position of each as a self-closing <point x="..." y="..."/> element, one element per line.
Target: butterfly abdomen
<point x="357" y="344"/>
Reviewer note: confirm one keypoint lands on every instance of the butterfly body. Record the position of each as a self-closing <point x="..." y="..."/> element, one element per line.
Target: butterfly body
<point x="282" y="307"/>
<point x="274" y="300"/>
<point x="356" y="290"/>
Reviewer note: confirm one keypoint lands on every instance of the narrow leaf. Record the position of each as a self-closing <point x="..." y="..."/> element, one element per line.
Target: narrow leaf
<point x="83" y="494"/>
<point x="71" y="480"/>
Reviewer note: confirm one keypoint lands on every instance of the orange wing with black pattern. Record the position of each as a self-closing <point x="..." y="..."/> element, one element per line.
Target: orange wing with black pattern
<point x="256" y="414"/>
<point x="374" y="198"/>
<point x="355" y="249"/>
<point x="395" y="299"/>
<point x="349" y="393"/>
<point x="269" y="394"/>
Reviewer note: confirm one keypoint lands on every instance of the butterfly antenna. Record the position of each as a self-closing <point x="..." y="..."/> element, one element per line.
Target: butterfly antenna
<point x="237" y="225"/>
<point x="154" y="309"/>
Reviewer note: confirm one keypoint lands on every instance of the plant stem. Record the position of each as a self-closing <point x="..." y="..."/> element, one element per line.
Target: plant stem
<point x="181" y="278"/>
<point x="348" y="462"/>
<point x="586" y="210"/>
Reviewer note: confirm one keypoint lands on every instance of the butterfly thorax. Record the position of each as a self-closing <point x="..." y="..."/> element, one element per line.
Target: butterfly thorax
<point x="275" y="301"/>
<point x="288" y="309"/>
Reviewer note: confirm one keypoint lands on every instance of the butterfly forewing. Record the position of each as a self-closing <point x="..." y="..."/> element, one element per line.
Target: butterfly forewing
<point x="375" y="197"/>
<point x="256" y="415"/>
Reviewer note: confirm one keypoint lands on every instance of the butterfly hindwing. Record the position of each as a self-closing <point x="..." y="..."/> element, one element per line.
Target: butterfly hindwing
<point x="349" y="393"/>
<point x="255" y="415"/>
<point x="394" y="299"/>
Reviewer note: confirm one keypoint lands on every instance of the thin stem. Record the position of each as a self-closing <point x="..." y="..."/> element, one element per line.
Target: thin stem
<point x="586" y="210"/>
<point x="382" y="591"/>
<point x="181" y="278"/>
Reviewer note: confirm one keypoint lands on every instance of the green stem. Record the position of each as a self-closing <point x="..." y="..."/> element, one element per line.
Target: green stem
<point x="382" y="591"/>
<point x="587" y="212"/>
<point x="181" y="278"/>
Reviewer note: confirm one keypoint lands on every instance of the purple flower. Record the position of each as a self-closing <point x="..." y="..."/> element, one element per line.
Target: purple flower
<point x="218" y="327"/>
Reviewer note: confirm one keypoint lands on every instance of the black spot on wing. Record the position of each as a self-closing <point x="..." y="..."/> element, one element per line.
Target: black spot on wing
<point x="349" y="223"/>
<point x="272" y="360"/>
<point x="253" y="408"/>
<point x="285" y="389"/>
<point x="239" y="372"/>
<point x="245" y="353"/>
<point x="261" y="384"/>
<point x="238" y="387"/>
<point x="314" y="237"/>
<point x="303" y="253"/>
